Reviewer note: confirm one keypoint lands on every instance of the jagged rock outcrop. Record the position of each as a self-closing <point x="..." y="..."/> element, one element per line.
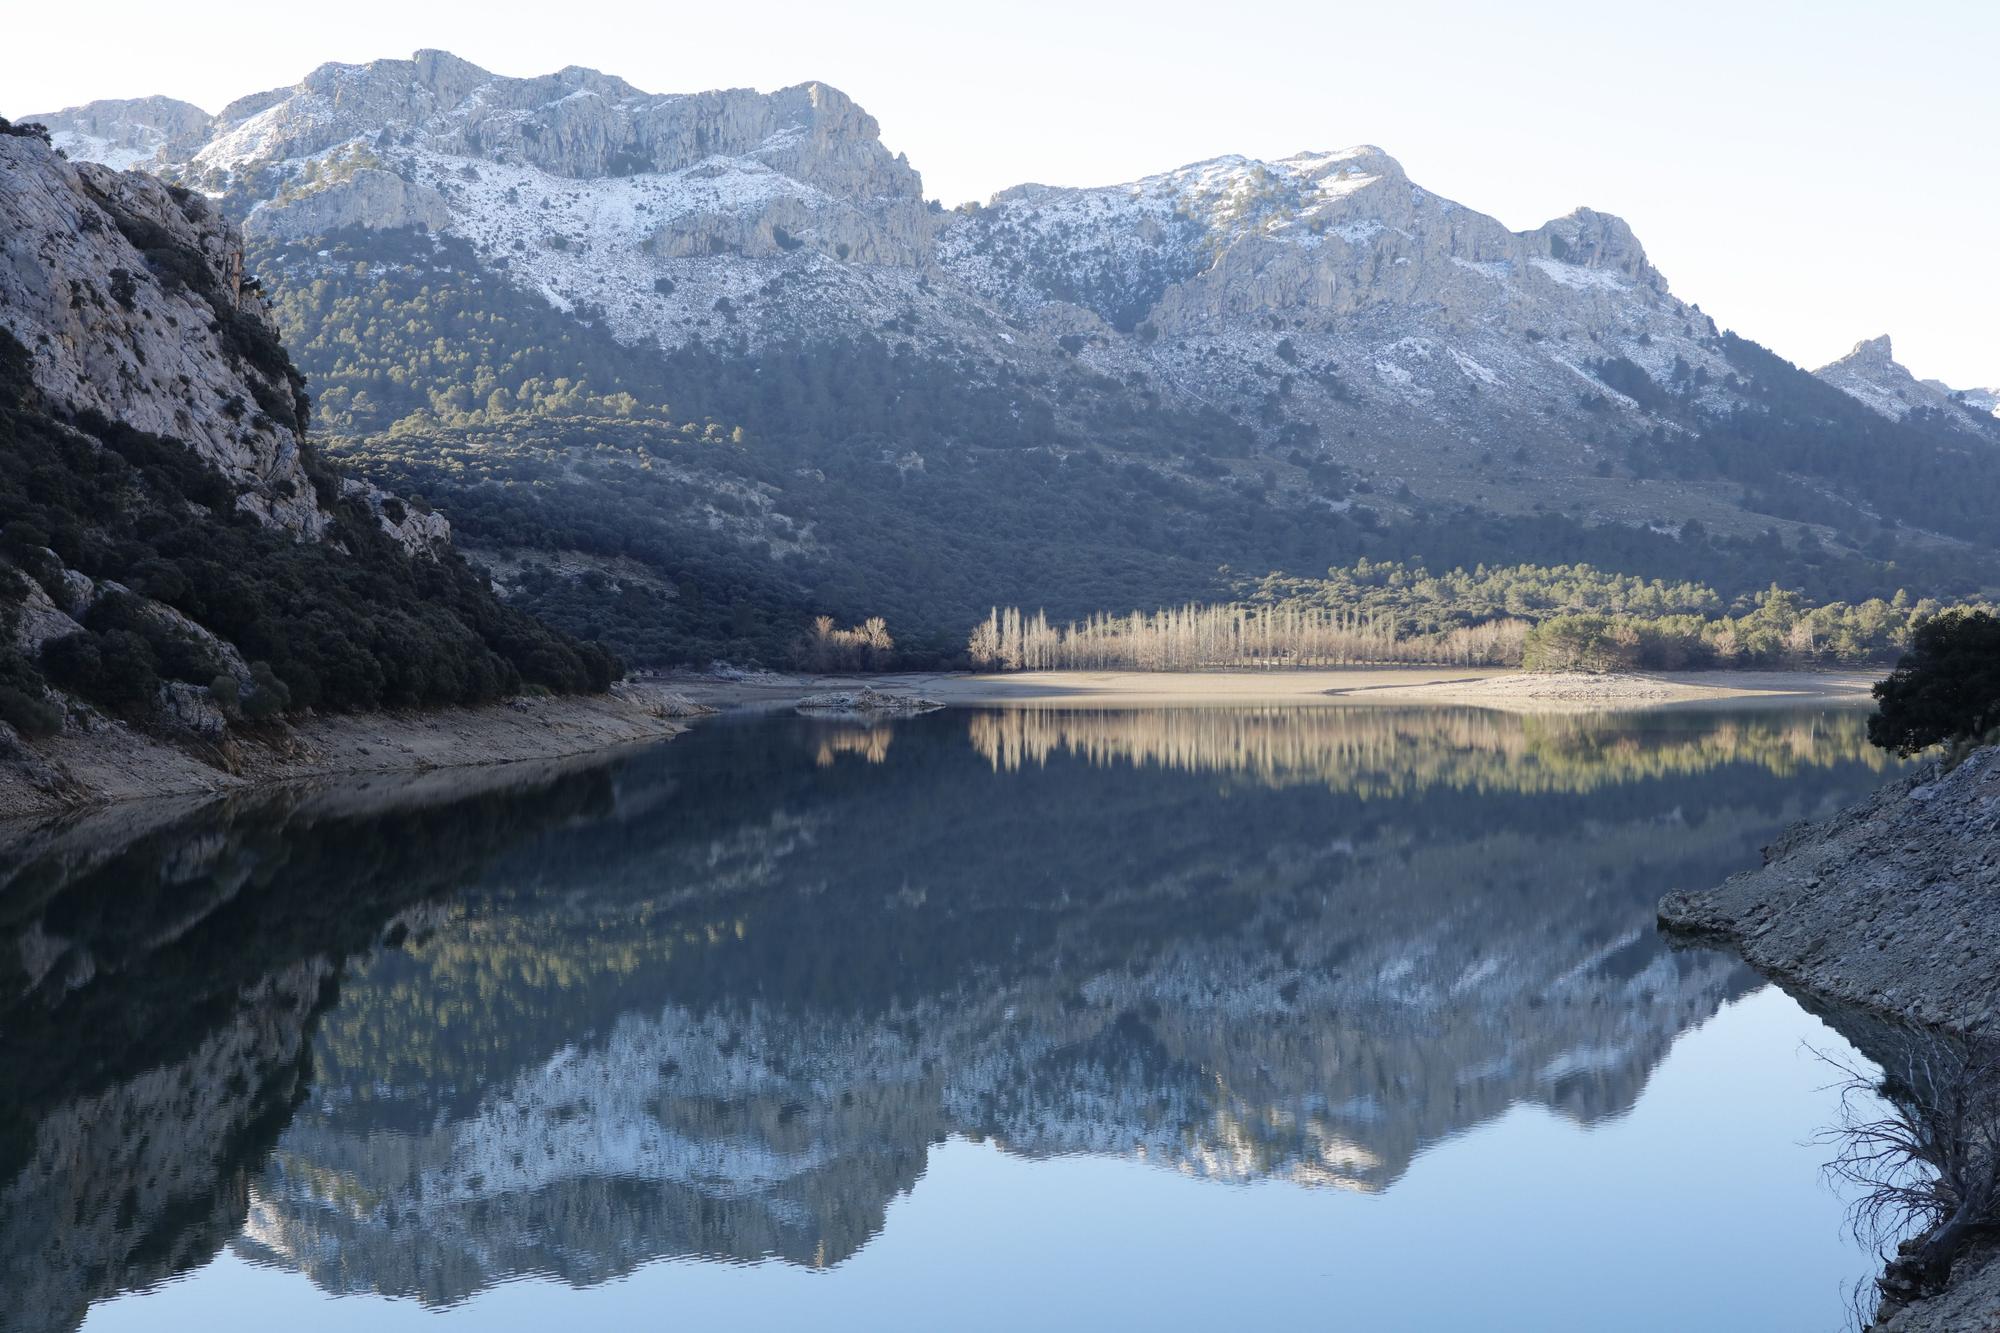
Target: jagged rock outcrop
<point x="366" y="197"/>
<point x="134" y="132"/>
<point x="1871" y="374"/>
<point x="417" y="531"/>
<point x="131" y="299"/>
<point x="1978" y="399"/>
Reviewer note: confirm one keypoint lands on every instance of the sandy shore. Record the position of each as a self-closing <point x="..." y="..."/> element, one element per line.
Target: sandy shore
<point x="1481" y="687"/>
<point x="119" y="764"/>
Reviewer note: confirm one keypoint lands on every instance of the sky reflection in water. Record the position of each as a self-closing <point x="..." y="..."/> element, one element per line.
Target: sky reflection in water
<point x="1351" y="1017"/>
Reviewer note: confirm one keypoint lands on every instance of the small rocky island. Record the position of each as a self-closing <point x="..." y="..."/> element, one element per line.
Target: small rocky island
<point x="864" y="702"/>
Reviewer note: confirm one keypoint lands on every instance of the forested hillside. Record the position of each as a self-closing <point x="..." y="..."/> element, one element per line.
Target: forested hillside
<point x="708" y="502"/>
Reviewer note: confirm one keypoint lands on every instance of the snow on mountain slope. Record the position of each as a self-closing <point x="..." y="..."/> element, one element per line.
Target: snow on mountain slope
<point x="1327" y="296"/>
<point x="1980" y="400"/>
<point x="1871" y="375"/>
<point x="592" y="191"/>
<point x="1325" y="301"/>
<point x="141" y="132"/>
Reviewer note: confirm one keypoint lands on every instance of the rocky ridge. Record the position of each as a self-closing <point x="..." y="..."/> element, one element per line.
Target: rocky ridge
<point x="131" y="298"/>
<point x="1326" y="295"/>
<point x="1871" y="374"/>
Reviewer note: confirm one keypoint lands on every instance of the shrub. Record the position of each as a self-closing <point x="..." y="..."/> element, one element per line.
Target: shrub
<point x="269" y="696"/>
<point x="1946" y="688"/>
<point x="116" y="670"/>
<point x="23" y="702"/>
<point x="1580" y="643"/>
<point x="226" y="693"/>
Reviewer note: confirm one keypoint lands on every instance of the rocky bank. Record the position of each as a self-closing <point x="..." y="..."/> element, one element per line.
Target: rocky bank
<point x="120" y="763"/>
<point x="1888" y="907"/>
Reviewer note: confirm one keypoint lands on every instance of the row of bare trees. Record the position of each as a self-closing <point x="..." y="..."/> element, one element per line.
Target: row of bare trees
<point x="1193" y="637"/>
<point x="864" y="647"/>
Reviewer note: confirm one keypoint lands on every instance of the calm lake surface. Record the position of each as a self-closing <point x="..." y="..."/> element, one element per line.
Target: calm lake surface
<point x="1349" y="1018"/>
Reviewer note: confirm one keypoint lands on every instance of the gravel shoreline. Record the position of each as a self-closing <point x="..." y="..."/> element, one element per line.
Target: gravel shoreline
<point x="80" y="771"/>
<point x="1889" y="906"/>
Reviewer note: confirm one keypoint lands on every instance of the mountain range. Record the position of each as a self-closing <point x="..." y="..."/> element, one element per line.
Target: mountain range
<point x="684" y="369"/>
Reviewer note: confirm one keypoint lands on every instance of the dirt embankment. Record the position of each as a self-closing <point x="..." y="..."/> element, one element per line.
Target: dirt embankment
<point x="117" y="763"/>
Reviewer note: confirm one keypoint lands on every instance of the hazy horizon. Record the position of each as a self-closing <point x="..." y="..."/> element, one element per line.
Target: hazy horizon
<point x="1785" y="168"/>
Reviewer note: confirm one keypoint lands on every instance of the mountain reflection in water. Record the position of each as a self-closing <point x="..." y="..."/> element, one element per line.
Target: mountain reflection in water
<point x="721" y="999"/>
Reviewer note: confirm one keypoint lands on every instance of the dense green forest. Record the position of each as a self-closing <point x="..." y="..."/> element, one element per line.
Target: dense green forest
<point x="709" y="502"/>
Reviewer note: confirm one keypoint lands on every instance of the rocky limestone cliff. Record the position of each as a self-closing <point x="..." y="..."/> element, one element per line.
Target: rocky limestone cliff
<point x="822" y="151"/>
<point x="576" y="123"/>
<point x="124" y="133"/>
<point x="130" y="297"/>
<point x="736" y="214"/>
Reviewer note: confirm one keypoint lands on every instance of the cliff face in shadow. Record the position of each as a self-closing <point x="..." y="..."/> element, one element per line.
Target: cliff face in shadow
<point x="719" y="1000"/>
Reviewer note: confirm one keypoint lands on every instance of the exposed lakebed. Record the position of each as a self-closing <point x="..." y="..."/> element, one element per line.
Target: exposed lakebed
<point x="1355" y="1017"/>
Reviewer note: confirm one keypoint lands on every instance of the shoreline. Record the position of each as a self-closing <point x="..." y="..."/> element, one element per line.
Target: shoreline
<point x="1885" y="906"/>
<point x="77" y="773"/>
<point x="82" y="771"/>
<point x="1887" y="910"/>
<point x="1482" y="687"/>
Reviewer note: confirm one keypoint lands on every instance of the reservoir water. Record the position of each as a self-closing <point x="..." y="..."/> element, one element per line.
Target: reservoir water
<point x="1336" y="1017"/>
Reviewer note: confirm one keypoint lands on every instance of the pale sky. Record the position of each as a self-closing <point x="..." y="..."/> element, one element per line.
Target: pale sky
<point x="1810" y="173"/>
